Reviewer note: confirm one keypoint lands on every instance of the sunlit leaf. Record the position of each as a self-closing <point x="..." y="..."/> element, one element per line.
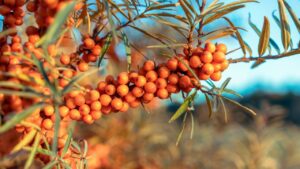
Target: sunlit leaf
<point x="238" y="104"/>
<point x="33" y="151"/>
<point x="104" y="49"/>
<point x="293" y="15"/>
<point x="208" y="102"/>
<point x="264" y="38"/>
<point x="25" y="141"/>
<point x="285" y="28"/>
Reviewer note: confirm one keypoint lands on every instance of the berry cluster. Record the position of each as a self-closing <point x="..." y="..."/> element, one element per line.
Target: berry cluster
<point x="13" y="12"/>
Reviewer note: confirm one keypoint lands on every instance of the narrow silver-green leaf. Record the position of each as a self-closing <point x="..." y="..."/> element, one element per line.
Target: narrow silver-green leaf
<point x="30" y="159"/>
<point x="285" y="28"/>
<point x="127" y="50"/>
<point x="209" y="106"/>
<point x="104" y="49"/>
<point x="238" y="104"/>
<point x="293" y="15"/>
<point x="264" y="37"/>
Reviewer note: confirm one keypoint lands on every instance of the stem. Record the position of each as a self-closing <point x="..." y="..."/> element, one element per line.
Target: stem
<point x="201" y="23"/>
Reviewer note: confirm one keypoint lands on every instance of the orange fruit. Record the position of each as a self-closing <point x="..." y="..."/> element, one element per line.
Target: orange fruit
<point x="88" y="119"/>
<point x="210" y="47"/>
<point x="75" y="114"/>
<point x="84" y="109"/>
<point x="162" y="93"/>
<point x="195" y="62"/>
<point x="105" y="100"/>
<point x="224" y="65"/>
<point x="125" y="107"/>
<point x="129" y="97"/>
<point x="110" y="89"/>
<point x="172" y="64"/>
<point x="83" y="66"/>
<point x="147" y="97"/>
<point x="96" y="106"/>
<point x="49" y="110"/>
<point x="101" y="86"/>
<point x="219" y="57"/>
<point x="206" y="57"/>
<point x="208" y="69"/>
<point x="172" y="88"/>
<point x="163" y="72"/>
<point x="221" y="48"/>
<point x="95" y="114"/>
<point x="173" y="79"/>
<point x="63" y="111"/>
<point x="47" y="124"/>
<point x="203" y="76"/>
<point x="89" y="43"/>
<point x="182" y="65"/>
<point x="216" y="76"/>
<point x="140" y="81"/>
<point x="217" y="66"/>
<point x="117" y="104"/>
<point x="123" y="78"/>
<point x="137" y="92"/>
<point x="150" y="87"/>
<point x="106" y="109"/>
<point x="151" y="76"/>
<point x="122" y="90"/>
<point x="79" y="100"/>
<point x="184" y="82"/>
<point x="161" y="83"/>
<point x="134" y="104"/>
<point x="149" y="65"/>
<point x="65" y="59"/>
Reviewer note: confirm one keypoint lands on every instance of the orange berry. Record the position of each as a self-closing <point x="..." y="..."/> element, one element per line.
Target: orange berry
<point x="94" y="95"/>
<point x="75" y="114"/>
<point x="68" y="73"/>
<point x="63" y="111"/>
<point x="149" y="65"/>
<point x="150" y="87"/>
<point x="88" y="119"/>
<point x="123" y="78"/>
<point x="101" y="86"/>
<point x="206" y="57"/>
<point x="172" y="64"/>
<point x="96" y="114"/>
<point x="210" y="47"/>
<point x="172" y="88"/>
<point x="65" y="59"/>
<point x="140" y="81"/>
<point x="184" y="82"/>
<point x="110" y="89"/>
<point x="47" y="124"/>
<point x="161" y="83"/>
<point x="134" y="104"/>
<point x="182" y="65"/>
<point x="133" y="76"/>
<point x="163" y="72"/>
<point x="151" y="76"/>
<point x="84" y="109"/>
<point x="125" y="107"/>
<point x="203" y="76"/>
<point x="219" y="57"/>
<point x="96" y="106"/>
<point x="70" y="103"/>
<point x="83" y="66"/>
<point x="208" y="69"/>
<point x="197" y="51"/>
<point x="147" y="97"/>
<point x="173" y="78"/>
<point x="89" y="43"/>
<point x="117" y="104"/>
<point x="217" y="67"/>
<point x="195" y="62"/>
<point x="129" y="97"/>
<point x="4" y="10"/>
<point x="96" y="50"/>
<point x="49" y="110"/>
<point x="221" y="48"/>
<point x="110" y="79"/>
<point x="106" y="109"/>
<point x="79" y="100"/>
<point x="122" y="90"/>
<point x="16" y="39"/>
<point x="74" y="93"/>
<point x="9" y="2"/>
<point x="162" y="93"/>
<point x="91" y="57"/>
<point x="105" y="100"/>
<point x="33" y="38"/>
<point x="216" y="76"/>
<point x="137" y="92"/>
<point x="224" y="65"/>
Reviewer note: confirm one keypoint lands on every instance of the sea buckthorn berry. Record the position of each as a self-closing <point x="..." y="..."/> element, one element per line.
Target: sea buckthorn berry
<point x="150" y="87"/>
<point x="106" y="109"/>
<point x="162" y="93"/>
<point x="182" y="65"/>
<point x="123" y="78"/>
<point x="105" y="100"/>
<point x="219" y="57"/>
<point x="68" y="73"/>
<point x="161" y="83"/>
<point x="195" y="62"/>
<point x="117" y="104"/>
<point x="91" y="58"/>
<point x="137" y="92"/>
<point x="172" y="88"/>
<point x="110" y="89"/>
<point x="203" y="76"/>
<point x="96" y="50"/>
<point x="70" y="103"/>
<point x="4" y="10"/>
<point x="134" y="104"/>
<point x="74" y="93"/>
<point x="94" y="95"/>
<point x="221" y="48"/>
<point x="49" y="110"/>
<point x="149" y="65"/>
<point x="173" y="78"/>
<point x="63" y="111"/>
<point x="197" y="51"/>
<point x="208" y="69"/>
<point x="84" y="109"/>
<point x="96" y="106"/>
<point x="140" y="81"/>
<point x="88" y="119"/>
<point x="9" y="2"/>
<point x="133" y="76"/>
<point x="65" y="59"/>
<point x="96" y="114"/>
<point x="83" y="66"/>
<point x="47" y="124"/>
<point x="184" y="82"/>
<point x="163" y="72"/>
<point x="110" y="79"/>
<point x="147" y="97"/>
<point x="16" y="39"/>
<point x="75" y="114"/>
<point x="129" y="97"/>
<point x="206" y="57"/>
<point x="172" y="64"/>
<point x="217" y="66"/>
<point x="33" y="38"/>
<point x="79" y="100"/>
<point x="224" y="65"/>
<point x="210" y="47"/>
<point x="122" y="90"/>
<point x="89" y="43"/>
<point x="216" y="76"/>
<point x="151" y="76"/>
<point x="125" y="107"/>
<point x="101" y="86"/>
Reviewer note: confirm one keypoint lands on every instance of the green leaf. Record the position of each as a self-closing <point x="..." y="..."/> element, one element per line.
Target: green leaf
<point x="238" y="104"/>
<point x="232" y="92"/>
<point x="285" y="28"/>
<point x="21" y="93"/>
<point x="183" y="108"/>
<point x="224" y="85"/>
<point x="20" y="116"/>
<point x="221" y="13"/>
<point x="104" y="49"/>
<point x="25" y="141"/>
<point x="186" y="11"/>
<point x="293" y="15"/>
<point x="51" y="164"/>
<point x="33" y="151"/>
<point x="69" y="139"/>
<point x="225" y="110"/>
<point x="53" y="31"/>
<point x="264" y="38"/>
<point x="208" y="102"/>
<point x="128" y="51"/>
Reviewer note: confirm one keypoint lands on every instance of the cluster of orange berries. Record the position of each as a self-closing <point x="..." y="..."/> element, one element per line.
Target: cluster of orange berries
<point x="13" y="12"/>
